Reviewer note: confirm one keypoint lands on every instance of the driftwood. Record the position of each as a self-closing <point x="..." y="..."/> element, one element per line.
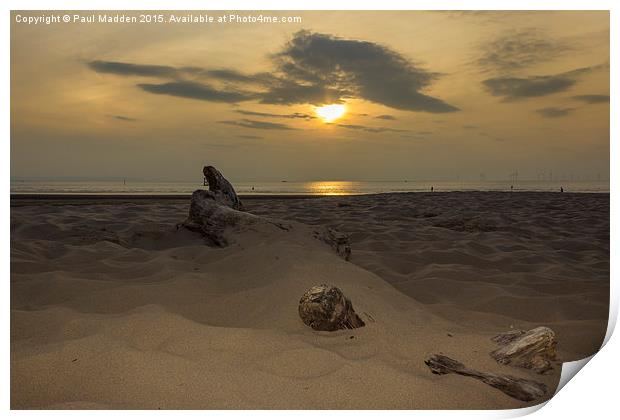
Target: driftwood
<point x="521" y="389"/>
<point x="340" y="242"/>
<point x="222" y="190"/>
<point x="325" y="308"/>
<point x="219" y="209"/>
<point x="534" y="349"/>
<point x="212" y="219"/>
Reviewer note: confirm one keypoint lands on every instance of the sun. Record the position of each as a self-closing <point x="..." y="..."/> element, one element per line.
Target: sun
<point x="329" y="113"/>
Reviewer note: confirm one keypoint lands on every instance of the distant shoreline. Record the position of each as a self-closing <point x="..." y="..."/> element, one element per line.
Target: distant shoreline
<point x="172" y="197"/>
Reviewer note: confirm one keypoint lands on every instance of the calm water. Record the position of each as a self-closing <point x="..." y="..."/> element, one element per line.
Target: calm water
<point x="309" y="188"/>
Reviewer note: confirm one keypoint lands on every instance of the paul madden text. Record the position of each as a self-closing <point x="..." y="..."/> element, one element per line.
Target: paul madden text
<point x="85" y="18"/>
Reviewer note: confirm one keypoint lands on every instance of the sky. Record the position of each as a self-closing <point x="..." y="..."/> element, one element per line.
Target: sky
<point x="426" y="95"/>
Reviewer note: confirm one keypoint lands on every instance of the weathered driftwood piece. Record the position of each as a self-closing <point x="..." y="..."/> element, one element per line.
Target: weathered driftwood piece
<point x="211" y="219"/>
<point x="339" y="241"/>
<point x="222" y="190"/>
<point x="326" y="308"/>
<point x="534" y="349"/>
<point x="521" y="389"/>
<point x="215" y="211"/>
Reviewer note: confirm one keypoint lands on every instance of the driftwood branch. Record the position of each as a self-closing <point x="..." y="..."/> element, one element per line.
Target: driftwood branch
<point x="521" y="389"/>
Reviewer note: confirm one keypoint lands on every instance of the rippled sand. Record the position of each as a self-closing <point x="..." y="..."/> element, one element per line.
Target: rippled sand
<point x="113" y="307"/>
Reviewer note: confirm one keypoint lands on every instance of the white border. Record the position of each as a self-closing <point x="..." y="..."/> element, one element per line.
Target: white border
<point x="591" y="395"/>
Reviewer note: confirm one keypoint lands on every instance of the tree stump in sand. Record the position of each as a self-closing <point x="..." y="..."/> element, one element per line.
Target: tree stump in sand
<point x="534" y="349"/>
<point x="521" y="389"/>
<point x="222" y="190"/>
<point x="326" y="308"/>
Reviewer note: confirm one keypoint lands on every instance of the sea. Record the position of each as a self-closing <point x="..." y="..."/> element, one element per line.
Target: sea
<point x="285" y="187"/>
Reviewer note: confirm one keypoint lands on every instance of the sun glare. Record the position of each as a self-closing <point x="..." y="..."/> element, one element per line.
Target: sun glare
<point x="329" y="113"/>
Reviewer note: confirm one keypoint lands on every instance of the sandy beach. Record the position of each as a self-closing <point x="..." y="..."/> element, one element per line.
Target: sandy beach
<point x="112" y="306"/>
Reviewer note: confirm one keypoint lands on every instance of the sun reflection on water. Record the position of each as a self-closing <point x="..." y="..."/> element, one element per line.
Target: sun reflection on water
<point x="331" y="187"/>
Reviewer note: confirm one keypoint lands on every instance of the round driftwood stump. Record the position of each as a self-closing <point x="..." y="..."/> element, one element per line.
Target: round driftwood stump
<point x="325" y="308"/>
<point x="534" y="349"/>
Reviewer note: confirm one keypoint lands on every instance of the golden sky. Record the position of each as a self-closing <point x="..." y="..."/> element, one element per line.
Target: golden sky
<point x="428" y="95"/>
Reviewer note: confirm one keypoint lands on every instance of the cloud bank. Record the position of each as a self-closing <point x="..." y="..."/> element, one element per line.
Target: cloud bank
<point x="311" y="68"/>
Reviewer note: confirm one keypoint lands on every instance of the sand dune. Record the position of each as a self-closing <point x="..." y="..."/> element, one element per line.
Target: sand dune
<point x="113" y="307"/>
<point x="483" y="260"/>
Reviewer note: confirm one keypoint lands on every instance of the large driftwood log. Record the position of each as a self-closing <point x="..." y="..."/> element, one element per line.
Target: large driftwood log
<point x="534" y="349"/>
<point x="222" y="190"/>
<point x="212" y="219"/>
<point x="212" y="212"/>
<point x="521" y="389"/>
<point x="326" y="308"/>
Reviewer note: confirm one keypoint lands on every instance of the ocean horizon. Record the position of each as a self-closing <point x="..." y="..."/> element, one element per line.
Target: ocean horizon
<point x="301" y="187"/>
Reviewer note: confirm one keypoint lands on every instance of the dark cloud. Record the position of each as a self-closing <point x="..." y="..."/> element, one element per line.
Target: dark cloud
<point x="334" y="68"/>
<point x="295" y="115"/>
<point x="554" y="112"/>
<point x="519" y="50"/>
<point x="231" y="75"/>
<point x="263" y="125"/>
<point x="371" y="129"/>
<point x="470" y="127"/>
<point x="385" y="117"/>
<point x="150" y="70"/>
<point x="288" y="92"/>
<point x="194" y="90"/>
<point x="312" y="68"/>
<point x="514" y="88"/>
<point x="592" y="99"/>
<point x="250" y="137"/>
<point x="128" y="69"/>
<point x="122" y="118"/>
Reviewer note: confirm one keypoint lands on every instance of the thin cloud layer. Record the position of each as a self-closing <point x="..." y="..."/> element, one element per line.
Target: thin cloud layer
<point x="295" y="115"/>
<point x="129" y="69"/>
<point x="515" y="88"/>
<point x="195" y="90"/>
<point x="372" y="129"/>
<point x="519" y="50"/>
<point x="553" y="112"/>
<point x="122" y="118"/>
<point x="592" y="99"/>
<point x="263" y="125"/>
